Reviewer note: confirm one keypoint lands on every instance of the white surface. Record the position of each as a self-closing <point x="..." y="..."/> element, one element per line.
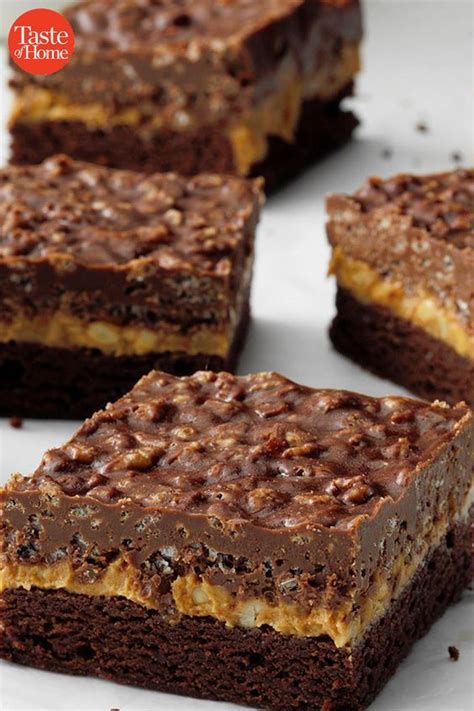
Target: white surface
<point x="11" y="9"/>
<point x="418" y="67"/>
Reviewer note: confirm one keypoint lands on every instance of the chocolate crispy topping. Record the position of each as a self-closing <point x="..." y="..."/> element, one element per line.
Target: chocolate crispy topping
<point x="184" y="65"/>
<point x="103" y="24"/>
<point x="96" y="215"/>
<point x="442" y="203"/>
<point x="258" y="448"/>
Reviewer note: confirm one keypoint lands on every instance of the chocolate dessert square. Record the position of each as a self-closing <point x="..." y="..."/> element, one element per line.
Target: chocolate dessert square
<point x="106" y="274"/>
<point x="228" y="86"/>
<point x="403" y="257"/>
<point x="244" y="539"/>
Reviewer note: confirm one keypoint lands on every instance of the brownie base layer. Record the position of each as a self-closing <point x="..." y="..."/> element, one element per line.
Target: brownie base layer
<point x="323" y="127"/>
<point x="396" y="349"/>
<point x="72" y="383"/>
<point x="201" y="657"/>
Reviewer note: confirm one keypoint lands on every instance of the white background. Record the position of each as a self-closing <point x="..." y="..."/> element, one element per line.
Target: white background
<point x="11" y="9"/>
<point x="418" y="67"/>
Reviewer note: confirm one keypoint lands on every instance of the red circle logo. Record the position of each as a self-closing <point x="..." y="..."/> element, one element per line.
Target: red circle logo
<point x="41" y="41"/>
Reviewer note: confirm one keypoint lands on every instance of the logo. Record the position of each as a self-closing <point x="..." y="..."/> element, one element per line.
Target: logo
<point x="41" y="41"/>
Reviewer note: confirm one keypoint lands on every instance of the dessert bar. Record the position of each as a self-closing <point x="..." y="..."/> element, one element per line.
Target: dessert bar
<point x="244" y="539"/>
<point x="106" y="274"/>
<point x="403" y="257"/>
<point x="226" y="86"/>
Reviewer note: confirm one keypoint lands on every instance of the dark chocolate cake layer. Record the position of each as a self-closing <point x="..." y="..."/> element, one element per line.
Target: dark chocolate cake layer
<point x="66" y="383"/>
<point x="323" y="127"/>
<point x="126" y="643"/>
<point x="240" y="538"/>
<point x="394" y="348"/>
<point x="403" y="258"/>
<point x="200" y="83"/>
<point x="107" y="274"/>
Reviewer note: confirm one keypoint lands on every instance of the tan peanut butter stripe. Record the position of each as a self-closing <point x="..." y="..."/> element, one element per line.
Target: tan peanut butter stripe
<point x="276" y="115"/>
<point x="421" y="308"/>
<point x="63" y="330"/>
<point x="195" y="596"/>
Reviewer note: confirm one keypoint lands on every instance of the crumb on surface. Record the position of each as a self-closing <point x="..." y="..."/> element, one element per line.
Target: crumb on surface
<point x="422" y="127"/>
<point x="16" y="422"/>
<point x="453" y="653"/>
<point x="456" y="157"/>
<point x="386" y="153"/>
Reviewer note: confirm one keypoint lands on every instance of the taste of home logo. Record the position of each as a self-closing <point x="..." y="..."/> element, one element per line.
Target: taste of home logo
<point x="41" y="41"/>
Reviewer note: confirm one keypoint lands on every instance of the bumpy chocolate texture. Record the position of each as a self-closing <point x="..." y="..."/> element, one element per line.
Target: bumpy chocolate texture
<point x="407" y="245"/>
<point x="256" y="482"/>
<point x="120" y="246"/>
<point x="95" y="216"/>
<point x="441" y="203"/>
<point x="223" y="47"/>
<point x="124" y="270"/>
<point x="218" y="79"/>
<point x="255" y="448"/>
<point x="277" y="523"/>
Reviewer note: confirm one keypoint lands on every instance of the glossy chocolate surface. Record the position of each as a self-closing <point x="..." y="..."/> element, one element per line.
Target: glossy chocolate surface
<point x="442" y="204"/>
<point x="195" y="62"/>
<point x="124" y="247"/>
<point x="255" y="482"/>
<point x="417" y="230"/>
<point x="104" y="24"/>
<point x="99" y="216"/>
<point x="258" y="448"/>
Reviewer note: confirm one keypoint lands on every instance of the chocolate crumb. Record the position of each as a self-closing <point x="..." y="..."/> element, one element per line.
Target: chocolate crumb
<point x="422" y="127"/>
<point x="16" y="423"/>
<point x="386" y="153"/>
<point x="453" y="653"/>
<point x="456" y="157"/>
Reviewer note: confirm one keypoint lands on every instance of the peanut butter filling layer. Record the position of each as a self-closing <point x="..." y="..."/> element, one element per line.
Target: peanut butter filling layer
<point x="346" y="624"/>
<point x="279" y="114"/>
<point x="276" y="115"/>
<point x="63" y="330"/>
<point x="420" y="308"/>
<point x="195" y="596"/>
